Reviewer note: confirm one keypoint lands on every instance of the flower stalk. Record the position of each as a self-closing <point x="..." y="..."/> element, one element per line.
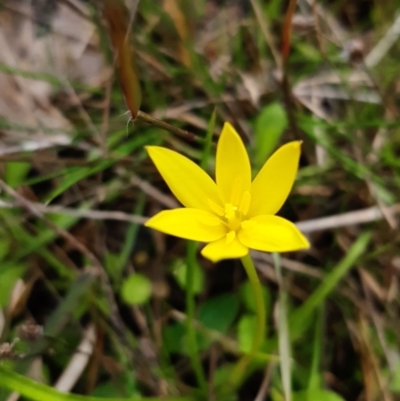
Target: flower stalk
<point x="239" y="371"/>
<point x="190" y="327"/>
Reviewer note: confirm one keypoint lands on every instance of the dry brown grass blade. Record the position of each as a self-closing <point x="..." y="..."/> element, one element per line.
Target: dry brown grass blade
<point x="375" y="387"/>
<point x="115" y="12"/>
<point x="287" y="30"/>
<point x="173" y="9"/>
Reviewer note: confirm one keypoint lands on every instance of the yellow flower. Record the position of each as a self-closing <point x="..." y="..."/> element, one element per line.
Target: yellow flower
<point x="232" y="214"/>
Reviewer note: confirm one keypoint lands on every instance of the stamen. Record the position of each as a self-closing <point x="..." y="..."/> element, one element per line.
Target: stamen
<point x="245" y="203"/>
<point x="217" y="209"/>
<point x="230" y="237"/>
<point x="230" y="211"/>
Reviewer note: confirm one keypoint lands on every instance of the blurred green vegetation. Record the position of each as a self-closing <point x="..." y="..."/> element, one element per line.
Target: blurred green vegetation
<point x="67" y="145"/>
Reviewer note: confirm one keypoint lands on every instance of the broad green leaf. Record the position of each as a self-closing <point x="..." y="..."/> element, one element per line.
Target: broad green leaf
<point x="247" y="296"/>
<point x="179" y="270"/>
<point x="218" y="313"/>
<point x="16" y="173"/>
<point x="136" y="289"/>
<point x="173" y="338"/>
<point x="246" y="328"/>
<point x="269" y="126"/>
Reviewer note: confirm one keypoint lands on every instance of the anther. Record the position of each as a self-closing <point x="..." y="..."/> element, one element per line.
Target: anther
<point x="230" y="211"/>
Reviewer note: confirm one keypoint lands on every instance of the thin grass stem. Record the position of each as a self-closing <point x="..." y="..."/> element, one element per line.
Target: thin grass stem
<point x="239" y="371"/>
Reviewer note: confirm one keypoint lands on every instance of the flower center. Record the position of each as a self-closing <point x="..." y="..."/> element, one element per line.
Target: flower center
<point x="234" y="215"/>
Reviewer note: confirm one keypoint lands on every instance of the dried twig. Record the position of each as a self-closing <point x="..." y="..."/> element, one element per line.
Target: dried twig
<point x="362" y="216"/>
<point x="86" y="214"/>
<point x="167" y="127"/>
<point x="78" y="361"/>
<point x="383" y="46"/>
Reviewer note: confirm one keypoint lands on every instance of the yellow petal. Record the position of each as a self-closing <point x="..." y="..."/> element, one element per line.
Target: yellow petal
<point x="272" y="234"/>
<point x="232" y="171"/>
<point x="193" y="224"/>
<point x="273" y="183"/>
<point x="224" y="249"/>
<point x="192" y="186"/>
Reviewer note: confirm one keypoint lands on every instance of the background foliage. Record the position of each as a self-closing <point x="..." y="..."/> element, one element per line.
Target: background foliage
<point x="91" y="302"/>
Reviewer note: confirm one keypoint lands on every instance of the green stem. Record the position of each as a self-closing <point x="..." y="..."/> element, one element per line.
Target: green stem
<point x="190" y="309"/>
<point x="239" y="371"/>
<point x="40" y="392"/>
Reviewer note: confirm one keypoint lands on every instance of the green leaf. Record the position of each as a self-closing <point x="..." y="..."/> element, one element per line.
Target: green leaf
<point x="269" y="127"/>
<point x="316" y="394"/>
<point x="173" y="338"/>
<point x="16" y="173"/>
<point x="4" y="246"/>
<point x="247" y="296"/>
<point x="119" y="386"/>
<point x="221" y="378"/>
<point x="136" y="289"/>
<point x="246" y="329"/>
<point x="8" y="276"/>
<point x="218" y="313"/>
<point x="179" y="269"/>
<point x="105" y="390"/>
<point x="40" y="392"/>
